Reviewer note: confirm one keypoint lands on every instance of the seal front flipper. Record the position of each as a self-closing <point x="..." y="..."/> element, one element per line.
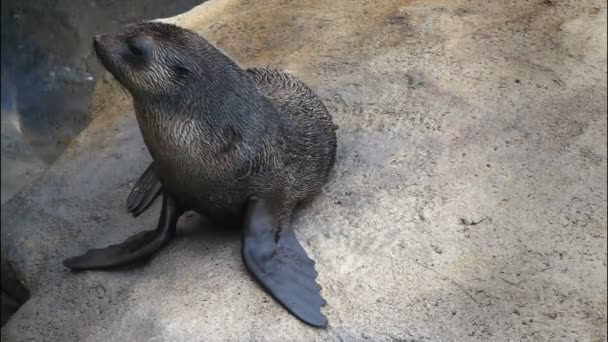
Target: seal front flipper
<point x="145" y="190"/>
<point x="280" y="264"/>
<point x="135" y="248"/>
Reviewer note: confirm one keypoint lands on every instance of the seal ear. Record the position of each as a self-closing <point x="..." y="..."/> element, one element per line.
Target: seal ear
<point x="181" y="71"/>
<point x="278" y="261"/>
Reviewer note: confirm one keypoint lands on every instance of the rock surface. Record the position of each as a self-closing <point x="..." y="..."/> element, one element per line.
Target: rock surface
<point x="468" y="201"/>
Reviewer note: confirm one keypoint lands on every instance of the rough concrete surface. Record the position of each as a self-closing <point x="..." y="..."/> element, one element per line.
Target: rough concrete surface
<point x="19" y="163"/>
<point x="468" y="201"/>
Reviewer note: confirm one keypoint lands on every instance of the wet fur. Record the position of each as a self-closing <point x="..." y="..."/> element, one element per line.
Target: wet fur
<point x="219" y="134"/>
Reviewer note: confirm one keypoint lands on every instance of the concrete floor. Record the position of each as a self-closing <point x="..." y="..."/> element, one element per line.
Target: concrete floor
<point x="468" y="201"/>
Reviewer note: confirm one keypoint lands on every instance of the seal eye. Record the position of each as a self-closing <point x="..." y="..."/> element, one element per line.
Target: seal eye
<point x="138" y="49"/>
<point x="134" y="50"/>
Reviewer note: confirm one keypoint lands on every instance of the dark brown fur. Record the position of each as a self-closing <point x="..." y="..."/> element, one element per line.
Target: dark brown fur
<point x="219" y="134"/>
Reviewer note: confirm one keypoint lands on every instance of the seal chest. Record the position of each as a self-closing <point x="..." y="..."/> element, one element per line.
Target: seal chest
<point x="237" y="146"/>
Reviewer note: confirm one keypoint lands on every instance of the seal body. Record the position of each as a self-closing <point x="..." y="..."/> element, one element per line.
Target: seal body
<point x="282" y="144"/>
<point x="241" y="147"/>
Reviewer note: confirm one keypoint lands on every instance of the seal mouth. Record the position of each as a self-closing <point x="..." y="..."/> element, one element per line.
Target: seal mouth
<point x="101" y="51"/>
<point x="97" y="44"/>
<point x="107" y="49"/>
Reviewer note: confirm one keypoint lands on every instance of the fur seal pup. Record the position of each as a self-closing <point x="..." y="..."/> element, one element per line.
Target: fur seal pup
<point x="241" y="147"/>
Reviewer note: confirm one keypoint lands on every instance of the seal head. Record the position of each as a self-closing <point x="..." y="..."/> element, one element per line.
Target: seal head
<point x="153" y="58"/>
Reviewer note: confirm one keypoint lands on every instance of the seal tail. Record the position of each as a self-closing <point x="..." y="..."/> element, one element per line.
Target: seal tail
<point x="136" y="248"/>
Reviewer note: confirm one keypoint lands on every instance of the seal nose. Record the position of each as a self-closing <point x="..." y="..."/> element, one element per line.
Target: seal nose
<point x="96" y="41"/>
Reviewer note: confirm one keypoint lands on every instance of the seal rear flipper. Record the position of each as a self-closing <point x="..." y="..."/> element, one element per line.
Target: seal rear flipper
<point x="144" y="192"/>
<point x="280" y="264"/>
<point x="135" y="248"/>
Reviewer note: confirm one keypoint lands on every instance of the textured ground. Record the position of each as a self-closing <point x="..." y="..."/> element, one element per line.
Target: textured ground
<point x="468" y="202"/>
